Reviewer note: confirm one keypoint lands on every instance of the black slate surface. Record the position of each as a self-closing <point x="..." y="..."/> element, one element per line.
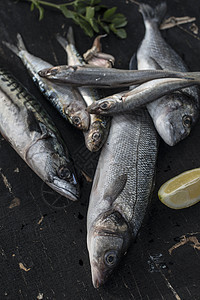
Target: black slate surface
<point x="51" y="244"/>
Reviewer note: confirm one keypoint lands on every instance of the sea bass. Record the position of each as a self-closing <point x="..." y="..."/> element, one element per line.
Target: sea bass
<point x="98" y="130"/>
<point x="33" y="135"/>
<point x="169" y="112"/>
<point x="67" y="100"/>
<point x="142" y="95"/>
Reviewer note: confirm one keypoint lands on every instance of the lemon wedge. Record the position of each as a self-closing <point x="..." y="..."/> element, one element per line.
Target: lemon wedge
<point x="181" y="191"/>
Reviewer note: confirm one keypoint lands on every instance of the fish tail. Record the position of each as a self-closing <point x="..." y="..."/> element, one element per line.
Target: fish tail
<point x="153" y="14"/>
<point x="18" y="48"/>
<point x="62" y="41"/>
<point x="70" y="36"/>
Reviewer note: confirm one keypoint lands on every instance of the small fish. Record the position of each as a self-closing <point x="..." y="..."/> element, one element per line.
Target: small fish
<point x="104" y="77"/>
<point x="170" y="112"/>
<point x="67" y="100"/>
<point x="98" y="130"/>
<point x="33" y="135"/>
<point x="142" y="95"/>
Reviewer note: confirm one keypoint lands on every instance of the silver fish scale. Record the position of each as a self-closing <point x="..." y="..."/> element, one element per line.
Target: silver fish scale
<point x="130" y="151"/>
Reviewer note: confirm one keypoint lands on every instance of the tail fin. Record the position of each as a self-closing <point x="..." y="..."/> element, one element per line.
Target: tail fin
<point x="153" y="14"/>
<point x="18" y="48"/>
<point x="62" y="41"/>
<point x="70" y="36"/>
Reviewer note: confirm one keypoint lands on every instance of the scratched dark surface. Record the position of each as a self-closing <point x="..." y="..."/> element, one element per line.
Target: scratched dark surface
<point x="51" y="244"/>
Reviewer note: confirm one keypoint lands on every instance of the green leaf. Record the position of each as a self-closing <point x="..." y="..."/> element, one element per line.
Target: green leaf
<point x="86" y="27"/>
<point x="32" y="6"/>
<point x="121" y="33"/>
<point x="119" y="22"/>
<point x="94" y="25"/>
<point x="68" y="13"/>
<point x="41" y="13"/>
<point x="94" y="2"/>
<point x="104" y="26"/>
<point x="89" y="13"/>
<point x="109" y="13"/>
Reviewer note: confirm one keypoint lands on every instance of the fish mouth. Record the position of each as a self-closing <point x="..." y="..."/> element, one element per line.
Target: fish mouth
<point x="67" y="190"/>
<point x="98" y="278"/>
<point x="45" y="72"/>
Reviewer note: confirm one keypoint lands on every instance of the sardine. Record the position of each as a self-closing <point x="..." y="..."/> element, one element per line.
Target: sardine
<point x="106" y="77"/>
<point x="169" y="112"/>
<point x="33" y="135"/>
<point x="144" y="94"/>
<point x="98" y="130"/>
<point x="67" y="100"/>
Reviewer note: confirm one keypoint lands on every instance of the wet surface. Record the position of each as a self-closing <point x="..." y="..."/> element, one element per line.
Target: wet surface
<point x="43" y="252"/>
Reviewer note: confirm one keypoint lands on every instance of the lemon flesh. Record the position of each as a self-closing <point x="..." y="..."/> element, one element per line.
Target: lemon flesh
<point x="181" y="191"/>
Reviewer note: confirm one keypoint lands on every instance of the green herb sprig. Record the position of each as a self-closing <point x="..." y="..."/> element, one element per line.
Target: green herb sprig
<point x="90" y="15"/>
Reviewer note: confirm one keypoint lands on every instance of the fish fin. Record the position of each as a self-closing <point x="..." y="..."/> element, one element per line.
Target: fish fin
<point x="16" y="49"/>
<point x="155" y="64"/>
<point x="70" y="36"/>
<point x="62" y="41"/>
<point x="133" y="62"/>
<point x="115" y="188"/>
<point x="153" y="14"/>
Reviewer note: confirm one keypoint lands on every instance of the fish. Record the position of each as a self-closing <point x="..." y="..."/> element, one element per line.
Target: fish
<point x="121" y="191"/>
<point x="98" y="130"/>
<point x="144" y="94"/>
<point x="106" y="77"/>
<point x="67" y="100"/>
<point x="169" y="112"/>
<point x="33" y="135"/>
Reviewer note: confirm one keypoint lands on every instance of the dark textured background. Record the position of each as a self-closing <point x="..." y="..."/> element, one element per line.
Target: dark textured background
<point x="51" y="243"/>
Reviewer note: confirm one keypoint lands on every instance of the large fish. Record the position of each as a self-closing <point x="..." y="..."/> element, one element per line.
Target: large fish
<point x="99" y="125"/>
<point x="142" y="95"/>
<point x="121" y="191"/>
<point x="33" y="135"/>
<point x="67" y="100"/>
<point x="168" y="112"/>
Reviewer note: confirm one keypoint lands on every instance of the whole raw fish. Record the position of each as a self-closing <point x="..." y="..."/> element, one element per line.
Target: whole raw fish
<point x="33" y="135"/>
<point x="169" y="112"/>
<point x="67" y="100"/>
<point x="103" y="77"/>
<point x="98" y="130"/>
<point x="144" y="94"/>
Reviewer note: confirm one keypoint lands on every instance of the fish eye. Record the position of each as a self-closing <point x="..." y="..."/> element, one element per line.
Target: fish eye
<point x="76" y="120"/>
<point x="110" y="258"/>
<point x="64" y="173"/>
<point x="104" y="105"/>
<point x="187" y="121"/>
<point x="96" y="136"/>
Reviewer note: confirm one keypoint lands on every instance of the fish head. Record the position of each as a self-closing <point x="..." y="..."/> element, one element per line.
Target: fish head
<point x="95" y="137"/>
<point x="107" y="243"/>
<point x="104" y="106"/>
<point x="59" y="72"/>
<point x="51" y="164"/>
<point x="176" y="117"/>
<point x="77" y="116"/>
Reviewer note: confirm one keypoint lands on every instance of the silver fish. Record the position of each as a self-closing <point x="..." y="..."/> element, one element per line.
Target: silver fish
<point x="98" y="130"/>
<point x="121" y="191"/>
<point x="67" y="100"/>
<point x="142" y="95"/>
<point x="33" y="135"/>
<point x="104" y="77"/>
<point x="169" y="112"/>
